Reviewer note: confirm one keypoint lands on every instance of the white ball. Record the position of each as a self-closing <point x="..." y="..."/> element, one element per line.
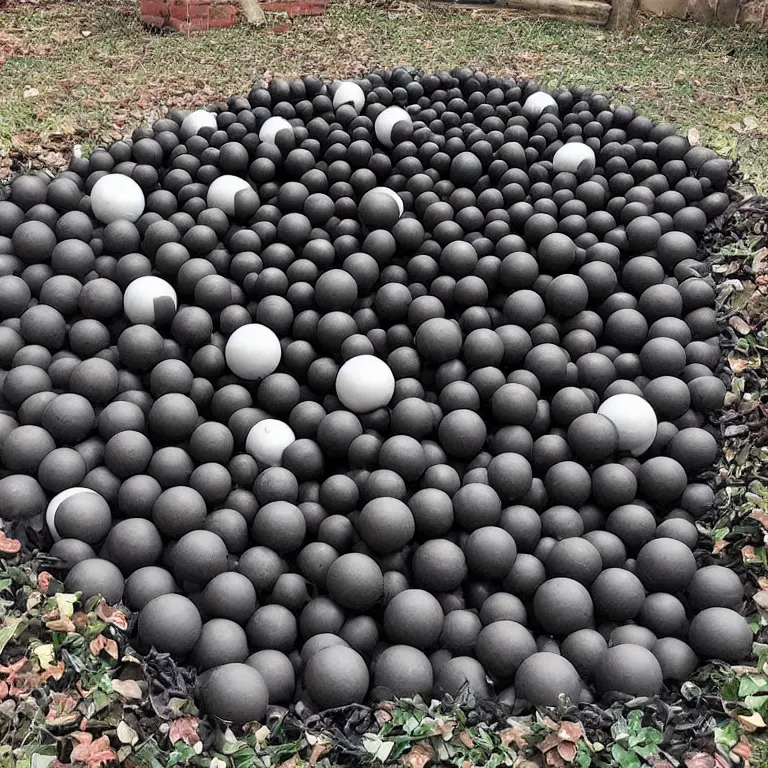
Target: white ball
<point x="142" y="296"/>
<point x="53" y="505"/>
<point x="634" y="419"/>
<point x="194" y="121"/>
<point x="390" y="193"/>
<point x="267" y="441"/>
<point x="349" y="93"/>
<point x="365" y="383"/>
<point x="117" y="196"/>
<point x="222" y="192"/>
<point x="253" y="351"/>
<point x="385" y="122"/>
<point x="271" y="127"/>
<point x="536" y="103"/>
<point x="574" y="156"/>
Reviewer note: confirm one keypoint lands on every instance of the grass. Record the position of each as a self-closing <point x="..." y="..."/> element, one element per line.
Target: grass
<point x="87" y="72"/>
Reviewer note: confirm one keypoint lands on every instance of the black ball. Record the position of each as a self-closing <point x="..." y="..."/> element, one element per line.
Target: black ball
<point x="629" y="669"/>
<point x="543" y="677"/>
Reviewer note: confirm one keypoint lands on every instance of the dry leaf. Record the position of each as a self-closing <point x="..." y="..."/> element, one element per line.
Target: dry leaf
<point x="740" y="325"/>
<point x="570" y="731"/>
<point x="743" y="749"/>
<point x="761" y="517"/>
<point x="60" y="625"/>
<point x="700" y="760"/>
<point x="126" y="734"/>
<point x="184" y="729"/>
<point x="318" y="751"/>
<point x="750" y="123"/>
<point x="8" y="546"/>
<point x="44" y="581"/>
<point x="514" y="735"/>
<point x="128" y="689"/>
<point x="102" y="643"/>
<point x="419" y="756"/>
<point x="567" y="750"/>
<point x="719" y="546"/>
<point x="292" y="762"/>
<point x="92" y="753"/>
<point x="465" y="737"/>
<point x="55" y="671"/>
<point x="694" y="137"/>
<point x="550" y="741"/>
<point x="111" y="615"/>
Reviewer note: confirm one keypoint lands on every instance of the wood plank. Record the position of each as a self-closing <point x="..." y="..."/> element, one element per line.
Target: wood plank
<point x="591" y="11"/>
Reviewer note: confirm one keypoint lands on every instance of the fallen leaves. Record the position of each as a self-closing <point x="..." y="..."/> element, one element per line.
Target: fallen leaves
<point x="92" y="753"/>
<point x="419" y="756"/>
<point x="102" y="643"/>
<point x="184" y="729"/>
<point x="111" y="615"/>
<point x="8" y="546"/>
<point x="128" y="689"/>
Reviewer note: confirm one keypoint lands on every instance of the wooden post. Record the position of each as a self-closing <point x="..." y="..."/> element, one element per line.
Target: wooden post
<point x="622" y="12"/>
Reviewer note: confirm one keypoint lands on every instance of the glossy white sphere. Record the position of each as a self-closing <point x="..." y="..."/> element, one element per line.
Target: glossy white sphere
<point x="53" y="505"/>
<point x="574" y="157"/>
<point x="223" y="190"/>
<point x="194" y="121"/>
<point x="634" y="419"/>
<point x="267" y="441"/>
<point x="271" y="127"/>
<point x="142" y="297"/>
<point x="349" y="93"/>
<point x="386" y="121"/>
<point x="117" y="196"/>
<point x="536" y="103"/>
<point x="253" y="351"/>
<point x="365" y="383"/>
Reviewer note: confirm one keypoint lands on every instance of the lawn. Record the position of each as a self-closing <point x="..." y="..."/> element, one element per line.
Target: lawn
<point x="72" y="691"/>
<point x="86" y="72"/>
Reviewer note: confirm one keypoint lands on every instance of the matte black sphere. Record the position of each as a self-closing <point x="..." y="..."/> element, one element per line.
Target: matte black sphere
<point x="170" y="623"/>
<point x="563" y="606"/>
<point x="236" y="692"/>
<point x="402" y="671"/>
<point x="665" y="565"/>
<point x="502" y="646"/>
<point x="544" y="677"/>
<point x="355" y="581"/>
<point x="720" y="633"/>
<point x="413" y="617"/>
<point x="715" y="586"/>
<point x="96" y="576"/>
<point x="336" y="676"/>
<point x="629" y="669"/>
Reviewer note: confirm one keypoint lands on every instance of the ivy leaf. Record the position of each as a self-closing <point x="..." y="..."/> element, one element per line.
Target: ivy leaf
<point x="624" y="757"/>
<point x="7" y="632"/>
<point x="128" y="689"/>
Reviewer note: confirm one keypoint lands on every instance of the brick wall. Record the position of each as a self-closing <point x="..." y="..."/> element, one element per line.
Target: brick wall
<point x="188" y="15"/>
<point x="753" y="12"/>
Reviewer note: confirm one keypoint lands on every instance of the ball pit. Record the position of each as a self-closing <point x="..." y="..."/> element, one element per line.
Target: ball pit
<point x="398" y="385"/>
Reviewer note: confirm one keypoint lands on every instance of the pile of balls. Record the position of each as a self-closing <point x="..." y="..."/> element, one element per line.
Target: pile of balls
<point x="378" y="388"/>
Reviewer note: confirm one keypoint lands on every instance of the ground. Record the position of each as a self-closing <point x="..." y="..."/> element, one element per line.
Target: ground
<point x="86" y="72"/>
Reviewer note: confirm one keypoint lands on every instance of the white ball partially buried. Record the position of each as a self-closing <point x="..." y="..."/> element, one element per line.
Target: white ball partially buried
<point x="271" y="127"/>
<point x="634" y="419"/>
<point x="537" y="103"/>
<point x="267" y="441"/>
<point x="115" y="197"/>
<point x="349" y="93"/>
<point x="574" y="157"/>
<point x="365" y="383"/>
<point x="386" y="121"/>
<point x="53" y="505"/>
<point x="253" y="351"/>
<point x="149" y="300"/>
<point x="194" y="121"/>
<point x="223" y="190"/>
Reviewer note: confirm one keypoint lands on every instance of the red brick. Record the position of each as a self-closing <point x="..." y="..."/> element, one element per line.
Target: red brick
<point x="154" y="8"/>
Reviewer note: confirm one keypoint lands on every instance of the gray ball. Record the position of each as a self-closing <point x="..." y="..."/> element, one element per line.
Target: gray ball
<point x="236" y="693"/>
<point x="336" y="676"/>
<point x="720" y="633"/>
<point x="543" y="677"/>
<point x="402" y="671"/>
<point x="629" y="669"/>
